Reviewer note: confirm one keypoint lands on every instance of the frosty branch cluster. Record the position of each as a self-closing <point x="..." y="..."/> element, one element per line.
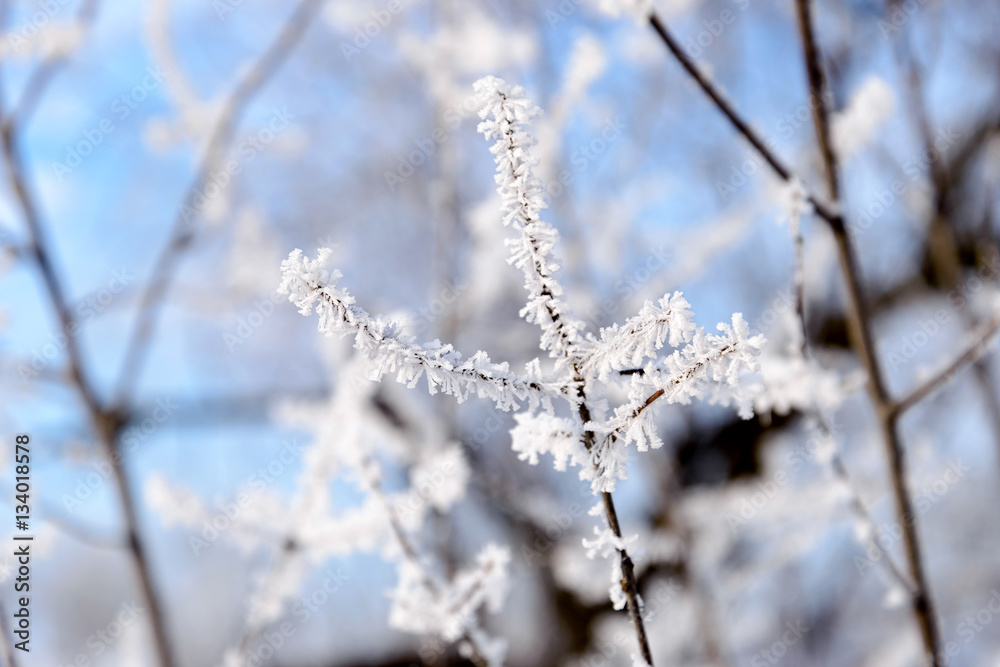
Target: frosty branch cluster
<point x="593" y="437"/>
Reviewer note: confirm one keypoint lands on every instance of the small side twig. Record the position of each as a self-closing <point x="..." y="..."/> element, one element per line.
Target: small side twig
<point x="982" y="339"/>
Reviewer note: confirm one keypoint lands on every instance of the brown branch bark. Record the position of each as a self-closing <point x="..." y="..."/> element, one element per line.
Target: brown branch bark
<point x="860" y="328"/>
<point x="107" y="424"/>
<point x="858" y="315"/>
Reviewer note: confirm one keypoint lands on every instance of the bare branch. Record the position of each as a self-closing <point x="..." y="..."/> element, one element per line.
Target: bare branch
<point x="860" y="322"/>
<point x="106" y="424"/>
<point x="983" y="338"/>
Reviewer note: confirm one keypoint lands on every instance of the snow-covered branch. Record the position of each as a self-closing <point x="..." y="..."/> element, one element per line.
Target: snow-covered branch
<point x="709" y="366"/>
<point x="311" y="286"/>
<point x="640" y="337"/>
<point x="505" y="111"/>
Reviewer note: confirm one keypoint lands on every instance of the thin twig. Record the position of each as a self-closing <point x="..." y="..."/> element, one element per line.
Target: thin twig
<point x="858" y="319"/>
<point x="730" y="112"/>
<point x="42" y="75"/>
<point x="983" y="337"/>
<point x="80" y="534"/>
<point x="825" y="427"/>
<point x="106" y="424"/>
<point x="942" y="246"/>
<point x="568" y="346"/>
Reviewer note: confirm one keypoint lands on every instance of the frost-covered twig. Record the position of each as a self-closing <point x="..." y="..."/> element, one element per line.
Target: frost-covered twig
<point x="709" y="363"/>
<point x="640" y="337"/>
<point x="309" y="285"/>
<point x="505" y="111"/>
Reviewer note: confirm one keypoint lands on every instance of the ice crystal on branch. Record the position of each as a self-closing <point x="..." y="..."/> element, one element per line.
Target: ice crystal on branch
<point x="641" y="337"/>
<point x="709" y="367"/>
<point x="505" y="111"/>
<point x="537" y="434"/>
<point x="310" y="286"/>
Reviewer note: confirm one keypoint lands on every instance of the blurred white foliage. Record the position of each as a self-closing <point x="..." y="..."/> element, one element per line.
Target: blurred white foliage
<point x="194" y="117"/>
<point x="253" y="259"/>
<point x="791" y="382"/>
<point x="52" y="41"/>
<point x="637" y="9"/>
<point x="856" y="125"/>
<point x="351" y="438"/>
<point x="606" y="545"/>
